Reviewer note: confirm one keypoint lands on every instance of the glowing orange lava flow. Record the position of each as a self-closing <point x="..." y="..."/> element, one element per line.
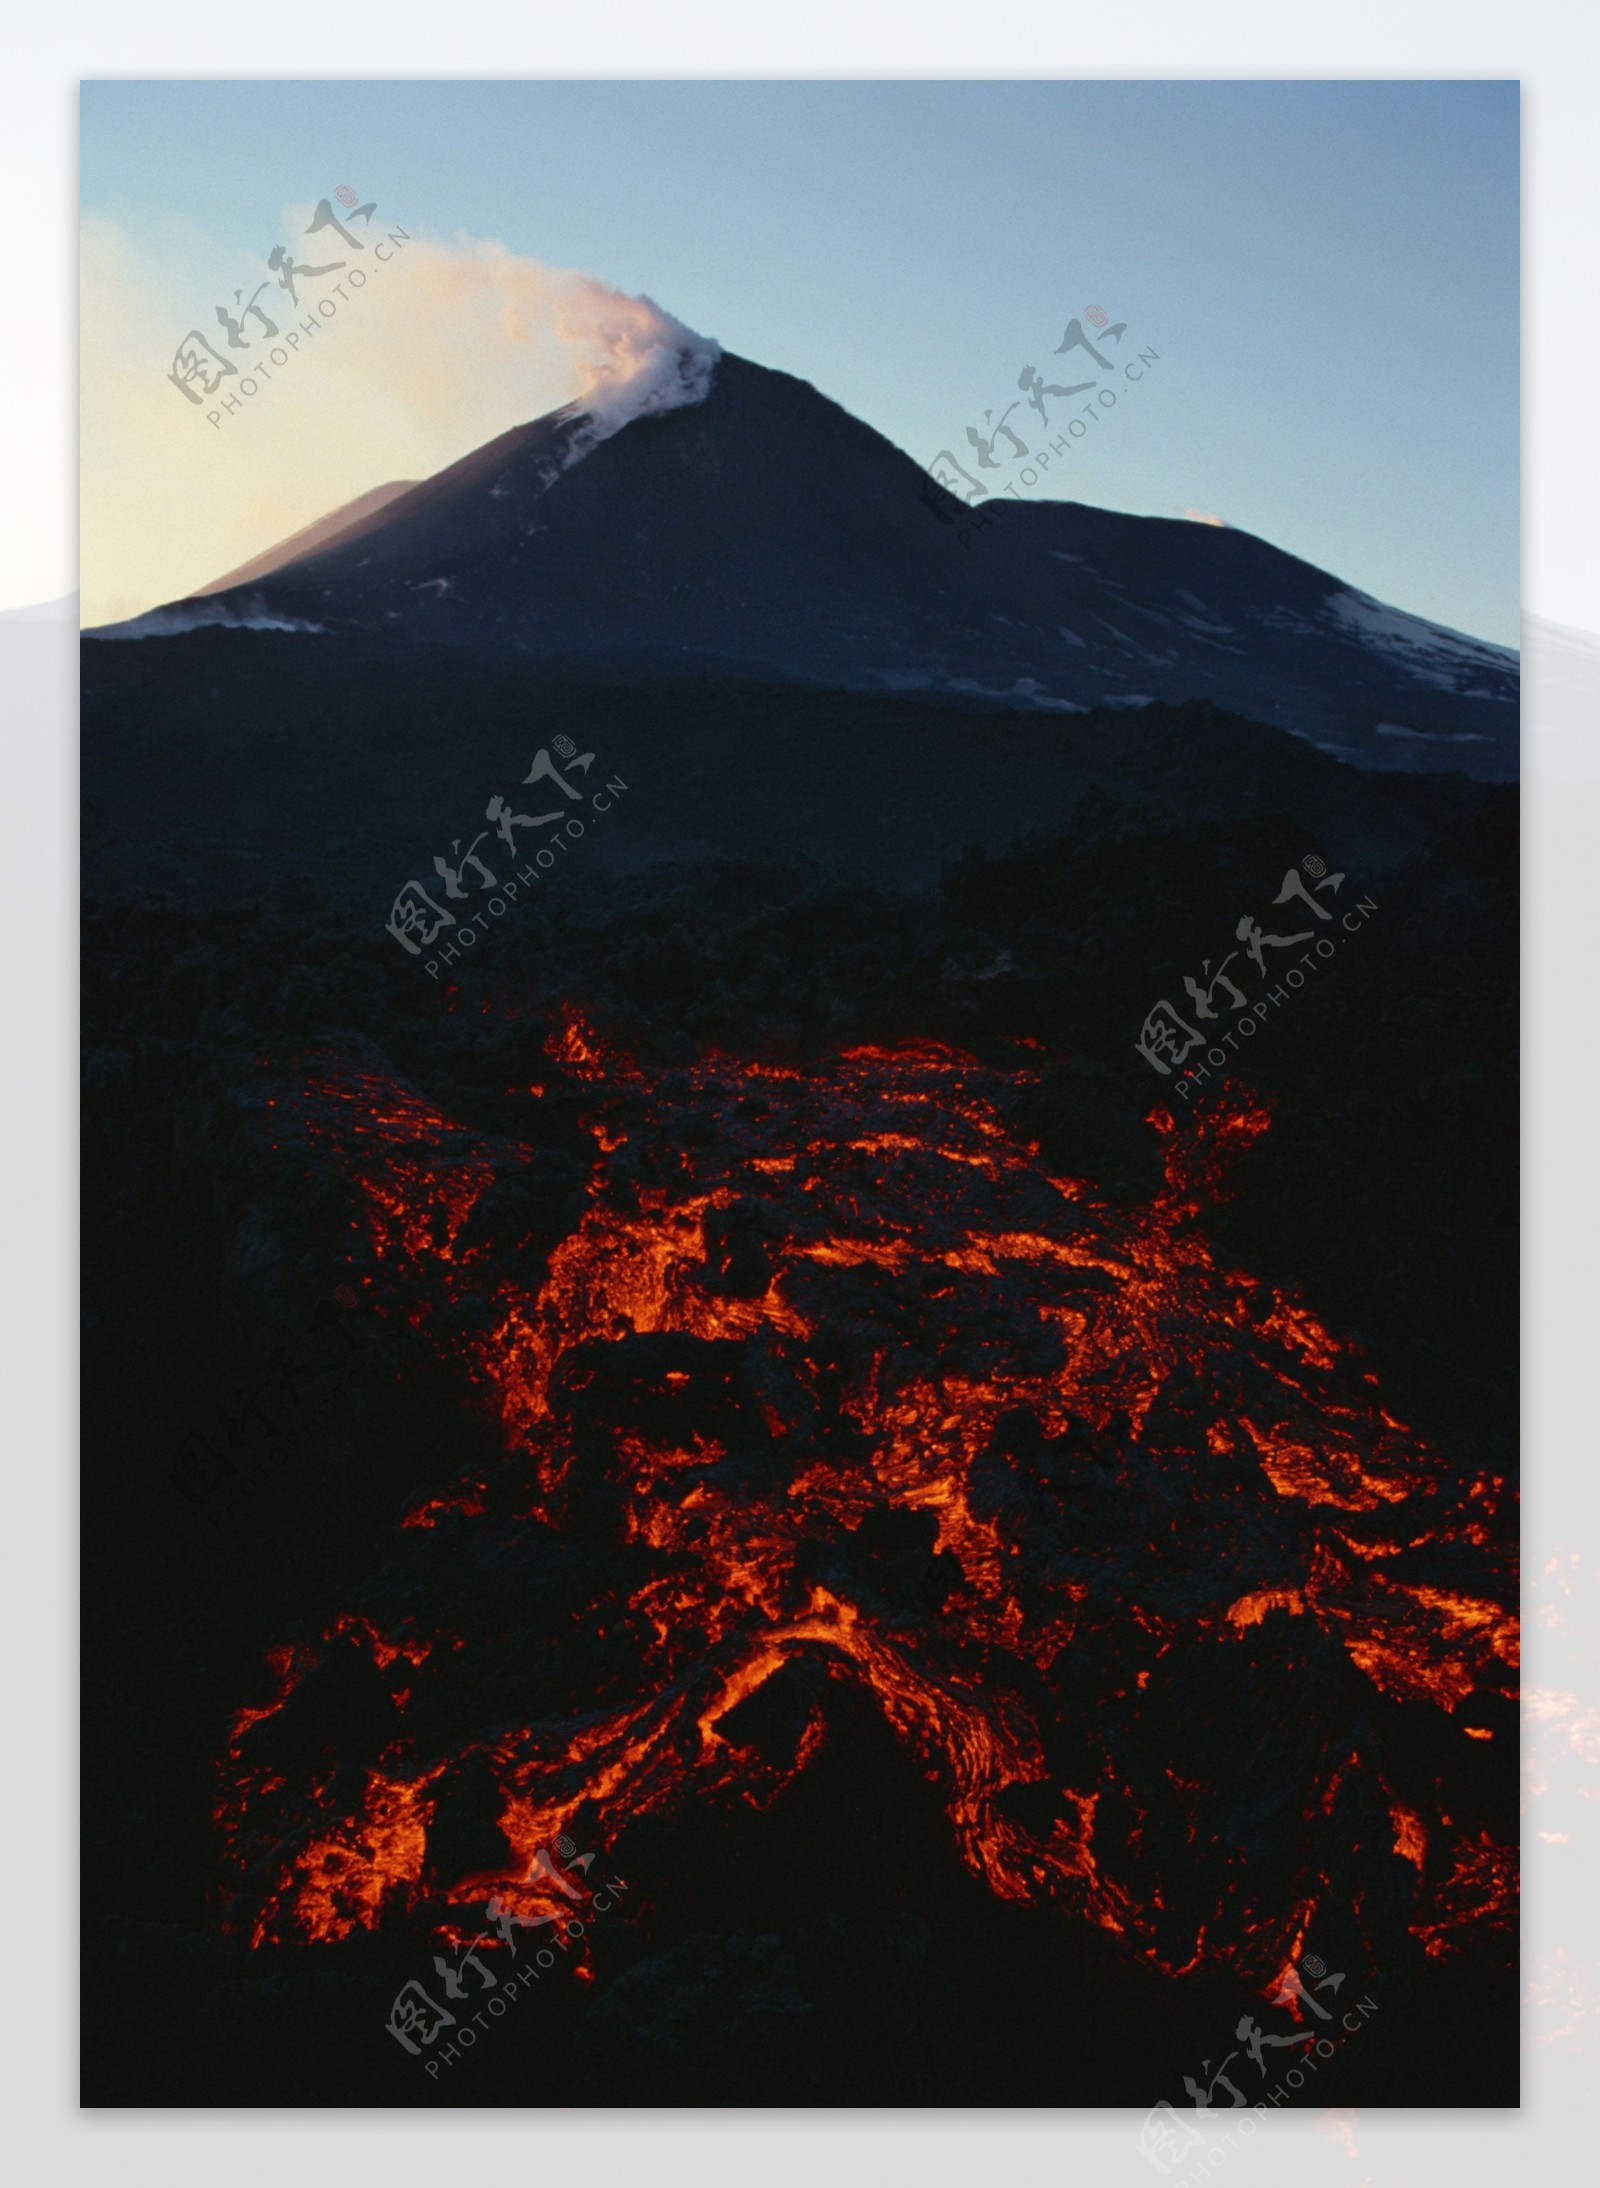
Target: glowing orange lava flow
<point x="850" y="1388"/>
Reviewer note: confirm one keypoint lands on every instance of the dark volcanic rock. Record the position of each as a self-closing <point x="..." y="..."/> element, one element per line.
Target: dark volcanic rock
<point x="767" y="530"/>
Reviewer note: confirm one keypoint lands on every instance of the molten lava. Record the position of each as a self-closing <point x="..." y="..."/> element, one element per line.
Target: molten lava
<point x="1120" y="1541"/>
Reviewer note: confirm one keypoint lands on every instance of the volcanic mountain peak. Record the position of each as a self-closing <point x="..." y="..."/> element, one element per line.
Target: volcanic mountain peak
<point x="744" y="517"/>
<point x="310" y="538"/>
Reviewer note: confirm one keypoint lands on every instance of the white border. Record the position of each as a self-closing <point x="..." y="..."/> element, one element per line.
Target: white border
<point x="1552" y="48"/>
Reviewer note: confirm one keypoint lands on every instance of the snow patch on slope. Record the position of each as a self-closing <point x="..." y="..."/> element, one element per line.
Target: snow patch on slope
<point x="1431" y="736"/>
<point x="199" y="616"/>
<point x="1432" y="654"/>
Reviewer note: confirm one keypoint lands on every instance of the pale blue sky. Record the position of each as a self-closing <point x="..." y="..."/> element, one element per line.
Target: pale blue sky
<point x="1329" y="271"/>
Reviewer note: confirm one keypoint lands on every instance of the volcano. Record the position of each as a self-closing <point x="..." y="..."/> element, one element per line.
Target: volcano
<point x="765" y="532"/>
<point x="743" y="1393"/>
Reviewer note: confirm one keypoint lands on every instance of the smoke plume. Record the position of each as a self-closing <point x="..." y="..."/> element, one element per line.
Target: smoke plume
<point x="440" y="348"/>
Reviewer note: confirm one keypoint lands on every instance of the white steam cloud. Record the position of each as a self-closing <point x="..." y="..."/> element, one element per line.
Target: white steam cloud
<point x="648" y="362"/>
<point x="442" y="348"/>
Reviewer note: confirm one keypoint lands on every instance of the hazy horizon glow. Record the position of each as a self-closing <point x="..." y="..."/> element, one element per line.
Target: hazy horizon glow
<point x="1329" y="272"/>
<point x="439" y="349"/>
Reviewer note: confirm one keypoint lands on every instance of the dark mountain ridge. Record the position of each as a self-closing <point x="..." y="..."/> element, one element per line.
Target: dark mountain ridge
<point x="767" y="528"/>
